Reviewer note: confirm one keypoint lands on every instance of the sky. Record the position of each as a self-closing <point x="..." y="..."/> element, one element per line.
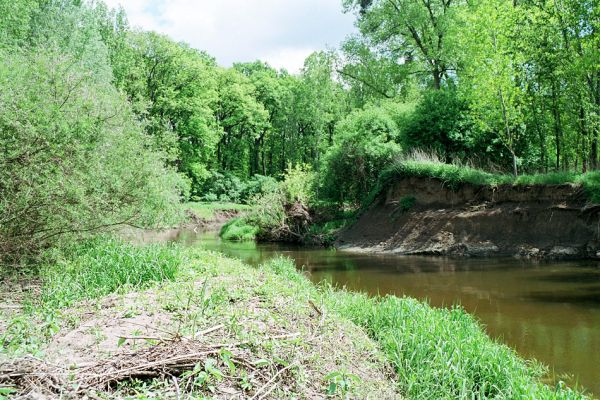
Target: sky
<point x="280" y="32"/>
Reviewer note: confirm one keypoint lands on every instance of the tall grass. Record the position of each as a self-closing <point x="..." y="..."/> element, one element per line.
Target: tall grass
<point x="105" y="265"/>
<point x="436" y="353"/>
<point x="444" y="354"/>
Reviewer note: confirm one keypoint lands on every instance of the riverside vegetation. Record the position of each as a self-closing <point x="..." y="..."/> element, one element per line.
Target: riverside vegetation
<point x="103" y="127"/>
<point x="105" y="308"/>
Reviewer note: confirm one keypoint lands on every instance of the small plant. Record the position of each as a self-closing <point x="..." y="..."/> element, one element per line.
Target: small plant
<point x="203" y="376"/>
<point x="406" y="203"/>
<point x="340" y="383"/>
<point x="6" y="392"/>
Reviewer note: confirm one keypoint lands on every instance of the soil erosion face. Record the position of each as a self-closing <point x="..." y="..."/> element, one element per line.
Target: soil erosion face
<point x="425" y="216"/>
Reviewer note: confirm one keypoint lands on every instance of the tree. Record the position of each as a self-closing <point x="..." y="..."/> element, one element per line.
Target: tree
<point x="73" y="159"/>
<point x="365" y="142"/>
<point x="493" y="73"/>
<point x="410" y="32"/>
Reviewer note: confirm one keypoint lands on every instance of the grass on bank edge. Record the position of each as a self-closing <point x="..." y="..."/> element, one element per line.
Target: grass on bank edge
<point x="436" y="353"/>
<point x="456" y="175"/>
<point x="206" y="210"/>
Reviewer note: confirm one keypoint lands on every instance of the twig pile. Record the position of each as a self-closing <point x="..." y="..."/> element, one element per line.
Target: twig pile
<point x="170" y="359"/>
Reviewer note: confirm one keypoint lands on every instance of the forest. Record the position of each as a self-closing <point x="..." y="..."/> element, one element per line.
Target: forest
<point x="104" y="125"/>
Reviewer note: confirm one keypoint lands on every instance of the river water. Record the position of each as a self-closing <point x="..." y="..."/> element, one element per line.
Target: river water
<point x="549" y="311"/>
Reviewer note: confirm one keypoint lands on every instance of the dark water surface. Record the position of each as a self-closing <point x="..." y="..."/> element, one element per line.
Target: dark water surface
<point x="549" y="311"/>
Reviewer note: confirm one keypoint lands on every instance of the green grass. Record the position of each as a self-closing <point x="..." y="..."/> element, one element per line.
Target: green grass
<point x="238" y="229"/>
<point x="106" y="265"/>
<point x="435" y="353"/>
<point x="444" y="354"/>
<point x="207" y="210"/>
<point x="454" y="176"/>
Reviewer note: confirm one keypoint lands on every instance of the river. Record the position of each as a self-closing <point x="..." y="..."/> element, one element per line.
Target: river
<point x="549" y="311"/>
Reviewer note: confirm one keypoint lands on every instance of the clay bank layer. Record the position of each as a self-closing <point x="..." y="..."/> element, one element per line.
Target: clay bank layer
<point x="426" y="216"/>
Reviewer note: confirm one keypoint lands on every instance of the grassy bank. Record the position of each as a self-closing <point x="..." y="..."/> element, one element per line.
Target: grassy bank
<point x="279" y="335"/>
<point x="455" y="175"/>
<point x="208" y="211"/>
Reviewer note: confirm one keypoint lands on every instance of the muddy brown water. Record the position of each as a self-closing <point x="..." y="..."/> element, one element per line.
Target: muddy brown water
<point x="549" y="311"/>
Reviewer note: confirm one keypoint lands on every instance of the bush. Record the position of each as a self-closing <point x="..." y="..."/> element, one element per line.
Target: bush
<point x="442" y="123"/>
<point x="298" y="184"/>
<point x="365" y="142"/>
<point x="226" y="187"/>
<point x="73" y="159"/>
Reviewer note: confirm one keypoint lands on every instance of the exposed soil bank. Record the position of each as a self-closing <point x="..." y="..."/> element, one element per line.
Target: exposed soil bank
<point x="545" y="221"/>
<point x="218" y="218"/>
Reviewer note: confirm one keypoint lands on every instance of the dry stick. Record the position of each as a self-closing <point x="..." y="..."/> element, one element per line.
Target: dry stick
<point x="281" y="371"/>
<point x="209" y="330"/>
<point x="176" y="387"/>
<point x="160" y="363"/>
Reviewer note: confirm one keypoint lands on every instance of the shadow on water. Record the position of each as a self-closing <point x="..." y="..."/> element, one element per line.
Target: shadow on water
<point x="545" y="310"/>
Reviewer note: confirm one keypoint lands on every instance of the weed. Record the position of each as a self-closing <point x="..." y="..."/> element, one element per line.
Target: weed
<point x="340" y="383"/>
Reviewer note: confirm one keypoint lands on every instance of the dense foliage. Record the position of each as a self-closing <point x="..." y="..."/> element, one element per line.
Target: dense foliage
<point x="512" y="87"/>
<point x="73" y="158"/>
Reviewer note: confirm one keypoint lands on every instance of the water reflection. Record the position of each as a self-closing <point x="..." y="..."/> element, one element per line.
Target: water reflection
<point x="545" y="310"/>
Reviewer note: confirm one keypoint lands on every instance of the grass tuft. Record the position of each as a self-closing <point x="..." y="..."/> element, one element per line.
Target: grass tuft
<point x="238" y="229"/>
<point x="105" y="265"/>
<point x="444" y="354"/>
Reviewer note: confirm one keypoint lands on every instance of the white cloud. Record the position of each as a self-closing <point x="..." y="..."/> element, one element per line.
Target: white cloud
<point x="281" y="32"/>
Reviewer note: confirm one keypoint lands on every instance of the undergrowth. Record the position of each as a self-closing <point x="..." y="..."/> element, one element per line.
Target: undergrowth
<point x="106" y="265"/>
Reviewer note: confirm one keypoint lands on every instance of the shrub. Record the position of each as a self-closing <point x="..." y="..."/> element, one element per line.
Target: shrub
<point x="226" y="187"/>
<point x="365" y="142"/>
<point x="298" y="184"/>
<point x="73" y="158"/>
<point x="442" y="123"/>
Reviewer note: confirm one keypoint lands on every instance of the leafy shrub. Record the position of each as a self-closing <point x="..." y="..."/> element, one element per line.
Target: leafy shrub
<point x="365" y="142"/>
<point x="442" y="123"/>
<point x="73" y="159"/>
<point x="223" y="187"/>
<point x="298" y="184"/>
<point x="258" y="185"/>
<point x="226" y="187"/>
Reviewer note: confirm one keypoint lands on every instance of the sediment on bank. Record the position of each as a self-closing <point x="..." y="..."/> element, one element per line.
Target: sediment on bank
<point x="428" y="215"/>
<point x="215" y="327"/>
